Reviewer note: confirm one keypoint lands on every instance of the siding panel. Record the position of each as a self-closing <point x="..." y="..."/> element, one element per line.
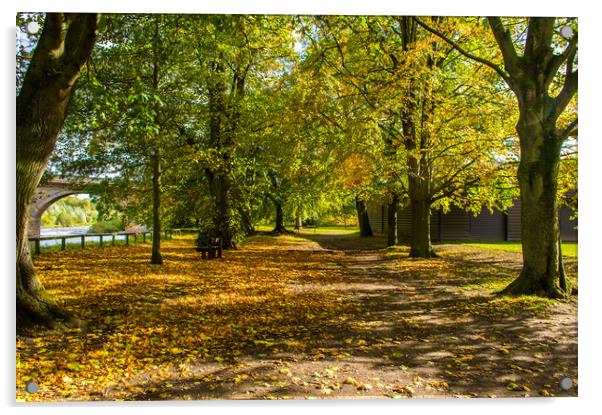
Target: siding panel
<point x="488" y="226"/>
<point x="455" y="224"/>
<point x="568" y="227"/>
<point x="404" y="223"/>
<point x="513" y="225"/>
<point x="459" y="225"/>
<point x="435" y="226"/>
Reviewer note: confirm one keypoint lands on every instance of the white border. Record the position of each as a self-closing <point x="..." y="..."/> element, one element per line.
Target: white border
<point x="589" y="184"/>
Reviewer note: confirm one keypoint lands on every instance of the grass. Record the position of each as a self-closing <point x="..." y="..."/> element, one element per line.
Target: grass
<point x="320" y="230"/>
<point x="89" y="244"/>
<point x="569" y="249"/>
<point x="504" y="306"/>
<point x="487" y="269"/>
<point x="330" y="230"/>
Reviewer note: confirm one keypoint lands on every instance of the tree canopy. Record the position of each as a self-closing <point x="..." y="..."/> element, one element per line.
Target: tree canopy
<point x="223" y="121"/>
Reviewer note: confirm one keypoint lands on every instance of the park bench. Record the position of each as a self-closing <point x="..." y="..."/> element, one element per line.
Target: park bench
<point x="210" y="247"/>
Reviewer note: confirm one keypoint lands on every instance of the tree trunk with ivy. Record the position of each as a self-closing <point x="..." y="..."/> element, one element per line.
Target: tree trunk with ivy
<point x="63" y="48"/>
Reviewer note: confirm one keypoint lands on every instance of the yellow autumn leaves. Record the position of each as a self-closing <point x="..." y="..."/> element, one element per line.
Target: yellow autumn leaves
<point x="280" y="318"/>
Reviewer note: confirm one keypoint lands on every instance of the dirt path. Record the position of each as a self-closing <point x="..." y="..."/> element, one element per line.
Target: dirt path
<point x="409" y="332"/>
<point x="298" y="318"/>
<point x="412" y="331"/>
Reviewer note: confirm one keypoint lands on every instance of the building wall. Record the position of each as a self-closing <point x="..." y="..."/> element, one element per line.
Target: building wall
<point x="455" y="225"/>
<point x="487" y="226"/>
<point x="460" y="225"/>
<point x="568" y="227"/>
<point x="404" y="224"/>
<point x="513" y="233"/>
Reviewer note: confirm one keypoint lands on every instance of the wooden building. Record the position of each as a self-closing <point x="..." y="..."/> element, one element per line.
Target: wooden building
<point x="460" y="225"/>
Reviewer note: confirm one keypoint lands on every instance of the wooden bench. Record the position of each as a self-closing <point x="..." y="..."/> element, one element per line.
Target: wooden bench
<point x="209" y="248"/>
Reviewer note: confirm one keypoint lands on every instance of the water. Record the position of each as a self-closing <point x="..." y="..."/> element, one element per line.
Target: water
<point x="74" y="230"/>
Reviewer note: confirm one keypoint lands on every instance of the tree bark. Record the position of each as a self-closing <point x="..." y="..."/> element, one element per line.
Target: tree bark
<point x="64" y="46"/>
<point x="420" y="238"/>
<point x="279" y="228"/>
<point x="392" y="221"/>
<point x="363" y="219"/>
<point x="543" y="271"/>
<point x="156" y="249"/>
<point x="219" y="185"/>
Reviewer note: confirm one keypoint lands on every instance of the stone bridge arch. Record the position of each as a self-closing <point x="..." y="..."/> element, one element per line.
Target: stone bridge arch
<point x="47" y="194"/>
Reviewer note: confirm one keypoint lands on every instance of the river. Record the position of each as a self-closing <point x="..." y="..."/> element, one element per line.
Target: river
<point x="73" y="230"/>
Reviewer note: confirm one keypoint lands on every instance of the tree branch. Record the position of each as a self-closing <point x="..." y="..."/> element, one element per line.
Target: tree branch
<point x="464" y="52"/>
<point x="568" y="55"/>
<point x="570" y="129"/>
<point x="452" y="190"/>
<point x="566" y="94"/>
<point x="79" y="41"/>
<point x="450" y="180"/>
<point x="504" y="41"/>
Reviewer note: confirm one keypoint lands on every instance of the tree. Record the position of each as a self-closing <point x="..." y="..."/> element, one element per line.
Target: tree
<point x="436" y="118"/>
<point x="539" y="66"/>
<point x="356" y="174"/>
<point x="129" y="113"/>
<point x="238" y="60"/>
<point x="63" y="48"/>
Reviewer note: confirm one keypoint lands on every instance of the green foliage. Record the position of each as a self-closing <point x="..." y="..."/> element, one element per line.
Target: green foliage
<point x="249" y="112"/>
<point x="70" y="211"/>
<point x="109" y="226"/>
<point x="63" y="219"/>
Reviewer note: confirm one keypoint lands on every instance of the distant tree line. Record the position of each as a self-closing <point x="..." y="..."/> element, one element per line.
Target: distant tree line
<point x="70" y="211"/>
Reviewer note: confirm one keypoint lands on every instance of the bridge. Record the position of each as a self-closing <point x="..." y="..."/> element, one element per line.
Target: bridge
<point x="50" y="192"/>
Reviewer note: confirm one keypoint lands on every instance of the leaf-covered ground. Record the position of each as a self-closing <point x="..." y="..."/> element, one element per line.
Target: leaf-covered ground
<point x="287" y="317"/>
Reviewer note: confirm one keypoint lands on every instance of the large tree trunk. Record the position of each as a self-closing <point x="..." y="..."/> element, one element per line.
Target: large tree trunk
<point x="156" y="249"/>
<point x="362" y="218"/>
<point x="530" y="74"/>
<point x="219" y="185"/>
<point x="64" y="46"/>
<point x="279" y="228"/>
<point x="243" y="210"/>
<point x="543" y="272"/>
<point x="420" y="239"/>
<point x="221" y="140"/>
<point x="392" y="221"/>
